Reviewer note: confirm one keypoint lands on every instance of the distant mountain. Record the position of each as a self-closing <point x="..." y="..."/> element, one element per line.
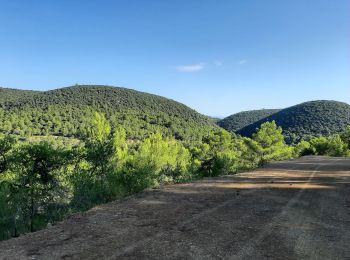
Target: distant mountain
<point x="214" y="119"/>
<point x="240" y="120"/>
<point x="322" y="117"/>
<point x="61" y="112"/>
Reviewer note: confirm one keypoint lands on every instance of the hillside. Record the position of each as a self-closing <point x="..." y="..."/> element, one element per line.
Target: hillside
<point x="239" y="120"/>
<point x="9" y="94"/>
<point x="62" y="112"/>
<point x="322" y="117"/>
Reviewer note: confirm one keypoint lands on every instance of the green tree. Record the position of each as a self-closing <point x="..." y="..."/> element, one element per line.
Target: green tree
<point x="332" y="145"/>
<point x="319" y="145"/>
<point x="249" y="152"/>
<point x="345" y="136"/>
<point x="96" y="178"/>
<point x="336" y="146"/>
<point x="271" y="141"/>
<point x="37" y="168"/>
<point x="157" y="160"/>
<point x="302" y="148"/>
<point x="217" y="154"/>
<point x="7" y="205"/>
<point x="6" y="145"/>
<point x="99" y="146"/>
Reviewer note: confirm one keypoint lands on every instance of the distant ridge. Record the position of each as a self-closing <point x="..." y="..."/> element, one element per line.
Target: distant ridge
<point x="240" y="120"/>
<point x="313" y="118"/>
<point x="61" y="112"/>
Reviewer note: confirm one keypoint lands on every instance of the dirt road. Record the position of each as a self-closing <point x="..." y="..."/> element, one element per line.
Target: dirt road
<point x="297" y="209"/>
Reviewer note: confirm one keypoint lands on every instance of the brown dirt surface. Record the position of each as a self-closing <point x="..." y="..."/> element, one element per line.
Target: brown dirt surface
<point x="296" y="209"/>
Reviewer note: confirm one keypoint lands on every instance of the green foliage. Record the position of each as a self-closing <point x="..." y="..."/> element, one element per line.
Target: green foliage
<point x="7" y="205"/>
<point x="99" y="145"/>
<point x="31" y="187"/>
<point x="61" y="112"/>
<point x="250" y="153"/>
<point x="157" y="160"/>
<point x="236" y="122"/>
<point x="217" y="154"/>
<point x="43" y="179"/>
<point x="304" y="121"/>
<point x="6" y="145"/>
<point x="36" y="183"/>
<point x="9" y="95"/>
<point x="302" y="148"/>
<point x="80" y="146"/>
<point x="8" y="227"/>
<point x="345" y="136"/>
<point x="99" y="128"/>
<point x="271" y="141"/>
<point x="336" y="146"/>
<point x="96" y="178"/>
<point x="331" y="145"/>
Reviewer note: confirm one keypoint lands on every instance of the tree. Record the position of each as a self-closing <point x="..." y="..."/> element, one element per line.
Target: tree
<point x="37" y="169"/>
<point x="157" y="160"/>
<point x="319" y="145"/>
<point x="96" y="178"/>
<point x="120" y="147"/>
<point x="6" y="145"/>
<point x="302" y="148"/>
<point x="98" y="144"/>
<point x="249" y="152"/>
<point x="271" y="141"/>
<point x="336" y="147"/>
<point x="217" y="154"/>
<point x="7" y="207"/>
<point x="345" y="136"/>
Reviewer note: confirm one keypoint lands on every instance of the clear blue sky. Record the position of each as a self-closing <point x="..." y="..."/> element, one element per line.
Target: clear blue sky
<point x="218" y="57"/>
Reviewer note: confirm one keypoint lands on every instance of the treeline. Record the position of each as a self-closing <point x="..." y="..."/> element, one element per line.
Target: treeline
<point x="42" y="182"/>
<point x="70" y="120"/>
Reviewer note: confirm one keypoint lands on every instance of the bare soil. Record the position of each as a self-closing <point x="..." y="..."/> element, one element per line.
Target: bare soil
<point x="296" y="209"/>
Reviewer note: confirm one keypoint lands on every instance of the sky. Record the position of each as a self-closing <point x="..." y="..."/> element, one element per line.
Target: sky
<point x="218" y="57"/>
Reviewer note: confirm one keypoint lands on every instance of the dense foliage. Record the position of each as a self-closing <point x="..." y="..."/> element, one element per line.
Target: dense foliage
<point x="62" y="112"/>
<point x="303" y="121"/>
<point x="236" y="122"/>
<point x="9" y="95"/>
<point x="42" y="181"/>
<point x="334" y="145"/>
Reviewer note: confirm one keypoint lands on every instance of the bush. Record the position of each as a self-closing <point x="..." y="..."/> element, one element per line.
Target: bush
<point x="331" y="145"/>
<point x="302" y="148"/>
<point x="157" y="160"/>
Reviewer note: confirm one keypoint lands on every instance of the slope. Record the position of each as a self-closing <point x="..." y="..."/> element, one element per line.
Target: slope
<point x="313" y="118"/>
<point x="239" y="120"/>
<point x="62" y="112"/>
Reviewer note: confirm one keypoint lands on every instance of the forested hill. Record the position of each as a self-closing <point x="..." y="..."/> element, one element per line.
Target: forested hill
<point x="62" y="112"/>
<point x="322" y="117"/>
<point x="239" y="120"/>
<point x="9" y="94"/>
<point x="100" y="96"/>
